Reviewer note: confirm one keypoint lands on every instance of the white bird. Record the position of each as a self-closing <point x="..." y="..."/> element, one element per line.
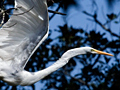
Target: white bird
<point x="26" y="29"/>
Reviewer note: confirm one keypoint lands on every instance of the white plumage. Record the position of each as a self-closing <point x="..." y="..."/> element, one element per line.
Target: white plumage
<point x="26" y="29"/>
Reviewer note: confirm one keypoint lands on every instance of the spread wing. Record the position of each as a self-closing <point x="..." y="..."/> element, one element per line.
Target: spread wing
<point x="26" y="29"/>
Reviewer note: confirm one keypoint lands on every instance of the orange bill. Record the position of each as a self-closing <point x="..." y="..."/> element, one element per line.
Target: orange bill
<point x="101" y="52"/>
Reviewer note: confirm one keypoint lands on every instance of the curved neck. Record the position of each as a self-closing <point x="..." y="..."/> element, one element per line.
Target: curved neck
<point x="36" y="76"/>
<point x="74" y="52"/>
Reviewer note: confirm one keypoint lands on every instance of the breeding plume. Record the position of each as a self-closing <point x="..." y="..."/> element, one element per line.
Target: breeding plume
<point x="26" y="29"/>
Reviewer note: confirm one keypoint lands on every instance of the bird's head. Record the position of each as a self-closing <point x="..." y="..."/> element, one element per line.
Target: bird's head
<point x="95" y="51"/>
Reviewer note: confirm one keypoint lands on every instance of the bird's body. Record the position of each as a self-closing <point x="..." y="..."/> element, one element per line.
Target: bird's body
<point x="7" y="72"/>
<point x="15" y="76"/>
<point x="26" y="29"/>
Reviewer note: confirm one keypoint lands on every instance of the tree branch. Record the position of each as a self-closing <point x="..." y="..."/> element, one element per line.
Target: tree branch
<point x="79" y="80"/>
<point x="2" y="19"/>
<point x="99" y="23"/>
<point x="55" y="11"/>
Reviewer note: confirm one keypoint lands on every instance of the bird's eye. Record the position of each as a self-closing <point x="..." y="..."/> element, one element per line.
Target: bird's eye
<point x="93" y="50"/>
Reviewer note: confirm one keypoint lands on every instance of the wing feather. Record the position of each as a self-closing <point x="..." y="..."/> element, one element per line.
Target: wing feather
<point x="26" y="29"/>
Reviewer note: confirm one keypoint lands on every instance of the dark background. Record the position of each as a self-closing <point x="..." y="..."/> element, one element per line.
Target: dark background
<point x="84" y="72"/>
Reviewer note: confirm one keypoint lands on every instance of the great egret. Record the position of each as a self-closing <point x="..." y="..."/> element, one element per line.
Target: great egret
<point x="26" y="29"/>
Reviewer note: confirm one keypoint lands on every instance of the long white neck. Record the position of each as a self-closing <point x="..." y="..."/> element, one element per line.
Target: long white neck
<point x="36" y="76"/>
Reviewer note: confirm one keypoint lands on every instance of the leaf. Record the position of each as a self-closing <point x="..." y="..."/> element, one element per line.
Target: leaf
<point x="111" y="16"/>
<point x="107" y="59"/>
<point x="101" y="62"/>
<point x="116" y="22"/>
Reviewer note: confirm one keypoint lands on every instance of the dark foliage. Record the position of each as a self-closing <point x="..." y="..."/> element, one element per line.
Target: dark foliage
<point x="94" y="72"/>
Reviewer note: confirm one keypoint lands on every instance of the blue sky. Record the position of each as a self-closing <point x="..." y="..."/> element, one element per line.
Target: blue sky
<point x="77" y="19"/>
